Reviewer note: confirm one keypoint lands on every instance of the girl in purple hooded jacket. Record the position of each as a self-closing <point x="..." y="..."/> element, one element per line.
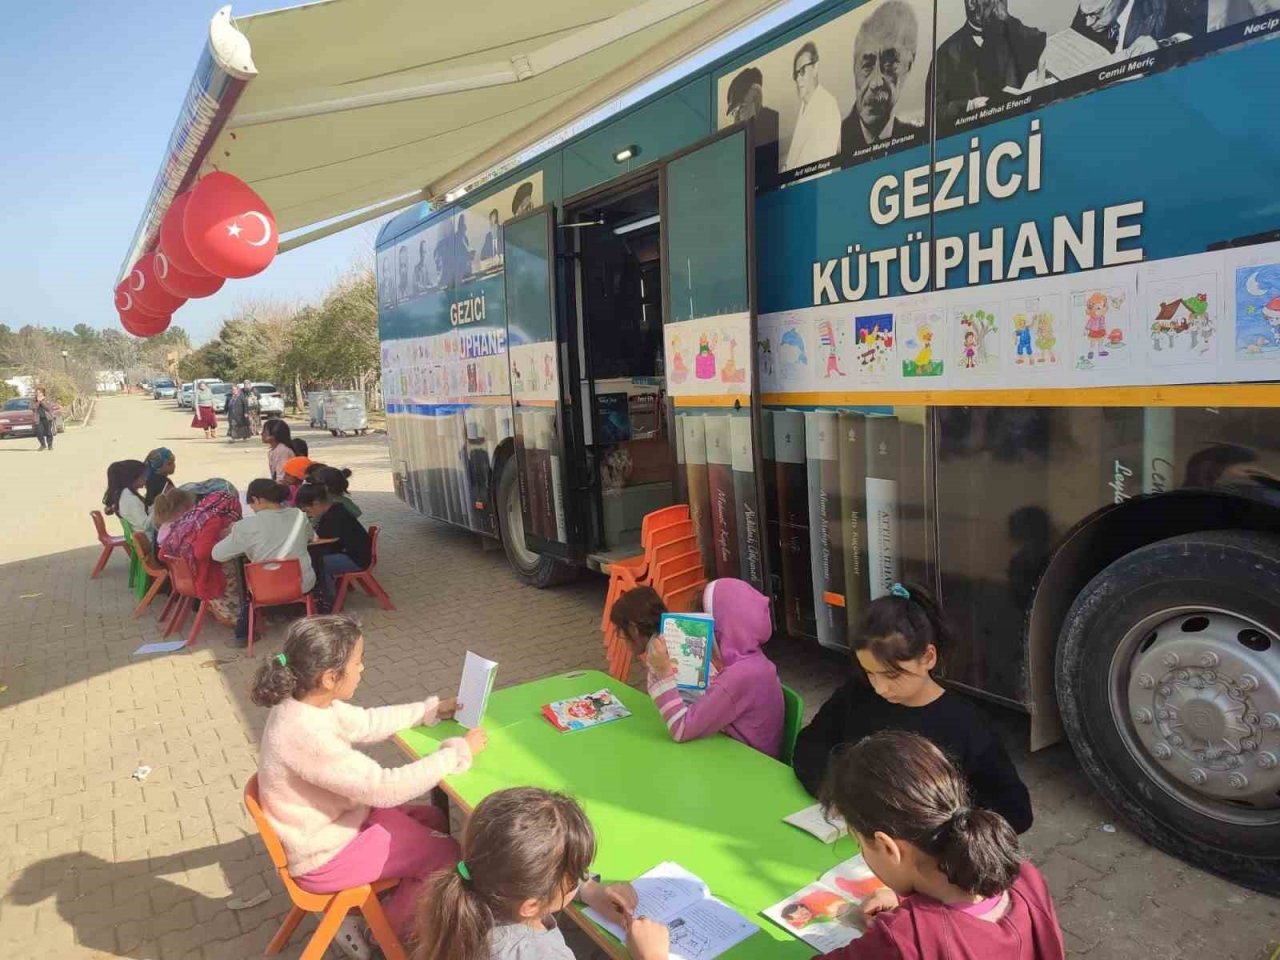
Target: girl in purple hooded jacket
<point x="744" y="697"/>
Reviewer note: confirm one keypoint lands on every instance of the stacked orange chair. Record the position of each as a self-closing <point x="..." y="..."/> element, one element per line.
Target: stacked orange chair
<point x="671" y="564"/>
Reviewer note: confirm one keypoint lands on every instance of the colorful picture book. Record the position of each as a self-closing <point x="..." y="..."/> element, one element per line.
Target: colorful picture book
<point x="689" y="638"/>
<point x="701" y="926"/>
<point x="826" y="827"/>
<point x="588" y="710"/>
<point x="825" y="914"/>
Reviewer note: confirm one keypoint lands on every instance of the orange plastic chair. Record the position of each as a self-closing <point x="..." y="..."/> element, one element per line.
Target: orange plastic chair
<point x="630" y="572"/>
<point x="109" y="543"/>
<point x="682" y="601"/>
<point x="333" y="907"/>
<point x="364" y="579"/>
<point x="665" y="577"/>
<point x="274" y="583"/>
<point x="157" y="572"/>
<point x="184" y="599"/>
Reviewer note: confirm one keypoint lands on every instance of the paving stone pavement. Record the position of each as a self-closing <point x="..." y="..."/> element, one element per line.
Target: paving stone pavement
<point x="95" y="864"/>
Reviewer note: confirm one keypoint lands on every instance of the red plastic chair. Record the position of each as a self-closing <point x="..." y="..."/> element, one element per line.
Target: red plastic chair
<point x="109" y="543"/>
<point x="274" y="583"/>
<point x="364" y="579"/>
<point x="183" y="599"/>
<point x="157" y="572"/>
<point x="333" y="907"/>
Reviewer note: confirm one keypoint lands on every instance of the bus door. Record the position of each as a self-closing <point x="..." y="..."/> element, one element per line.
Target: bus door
<point x="542" y="426"/>
<point x="709" y="337"/>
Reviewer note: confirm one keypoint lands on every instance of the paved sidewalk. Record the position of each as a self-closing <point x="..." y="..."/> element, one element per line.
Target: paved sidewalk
<point x="97" y="864"/>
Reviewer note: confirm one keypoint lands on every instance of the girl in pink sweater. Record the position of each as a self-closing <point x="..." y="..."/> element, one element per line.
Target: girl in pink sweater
<point x="342" y="817"/>
<point x="955" y="884"/>
<point x="744" y="697"/>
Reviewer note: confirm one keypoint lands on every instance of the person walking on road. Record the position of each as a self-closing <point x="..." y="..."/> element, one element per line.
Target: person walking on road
<point x="205" y="418"/>
<point x="251" y="404"/>
<point x="45" y="420"/>
<point x="237" y="415"/>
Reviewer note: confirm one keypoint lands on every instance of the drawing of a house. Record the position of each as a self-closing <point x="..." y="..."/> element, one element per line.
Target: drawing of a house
<point x="1188" y="315"/>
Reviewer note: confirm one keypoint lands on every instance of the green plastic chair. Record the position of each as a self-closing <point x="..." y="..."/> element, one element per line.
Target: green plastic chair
<point x="793" y="720"/>
<point x="139" y="582"/>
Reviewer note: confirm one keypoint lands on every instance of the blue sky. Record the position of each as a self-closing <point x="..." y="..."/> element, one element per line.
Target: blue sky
<point x="91" y="92"/>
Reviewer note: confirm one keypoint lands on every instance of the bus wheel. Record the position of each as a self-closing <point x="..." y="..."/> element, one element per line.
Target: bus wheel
<point x="532" y="568"/>
<point x="1168" y="679"/>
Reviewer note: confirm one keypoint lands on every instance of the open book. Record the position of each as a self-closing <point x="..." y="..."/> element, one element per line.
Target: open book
<point x="1069" y="53"/>
<point x="473" y="690"/>
<point x="827" y="828"/>
<point x="825" y="914"/>
<point x="701" y="926"/>
<point x="588" y="710"/>
<point x="689" y="638"/>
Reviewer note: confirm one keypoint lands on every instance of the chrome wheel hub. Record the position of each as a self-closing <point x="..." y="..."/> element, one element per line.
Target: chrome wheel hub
<point x="1195" y="693"/>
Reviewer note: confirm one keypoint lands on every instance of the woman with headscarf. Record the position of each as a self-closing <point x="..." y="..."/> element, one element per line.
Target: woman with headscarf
<point x="205" y="419"/>
<point x="237" y="415"/>
<point x="160" y="467"/>
<point x="126" y="480"/>
<point x="194" y="526"/>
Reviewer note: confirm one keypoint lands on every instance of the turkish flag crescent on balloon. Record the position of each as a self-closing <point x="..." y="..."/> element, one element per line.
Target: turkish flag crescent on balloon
<point x="173" y="244"/>
<point x="183" y="284"/>
<point x="147" y="291"/>
<point x="228" y="228"/>
<point x="133" y="318"/>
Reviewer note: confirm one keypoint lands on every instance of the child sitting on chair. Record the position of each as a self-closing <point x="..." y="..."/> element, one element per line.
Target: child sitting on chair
<point x="744" y="697"/>
<point x="342" y="818"/>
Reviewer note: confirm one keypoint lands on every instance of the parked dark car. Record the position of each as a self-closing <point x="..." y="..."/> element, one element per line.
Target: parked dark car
<point x="18" y="420"/>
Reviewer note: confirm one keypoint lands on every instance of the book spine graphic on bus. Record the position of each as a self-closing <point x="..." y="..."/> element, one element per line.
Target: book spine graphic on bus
<point x="882" y="503"/>
<point x="534" y="511"/>
<point x="448" y="481"/>
<point x="458" y="454"/>
<point x="852" y="442"/>
<point x="746" y="494"/>
<point x="769" y="477"/>
<point x="695" y="452"/>
<point x="675" y="423"/>
<point x="913" y="552"/>
<point x="1158" y="449"/>
<point x="825" y="548"/>
<point x="793" y="522"/>
<point x="545" y="427"/>
<point x="550" y="442"/>
<point x="724" y="509"/>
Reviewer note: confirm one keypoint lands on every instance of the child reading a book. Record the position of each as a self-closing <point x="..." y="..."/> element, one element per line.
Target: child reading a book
<point x="526" y="853"/>
<point x="896" y="648"/>
<point x="956" y="883"/>
<point x="743" y="698"/>
<point x="342" y="817"/>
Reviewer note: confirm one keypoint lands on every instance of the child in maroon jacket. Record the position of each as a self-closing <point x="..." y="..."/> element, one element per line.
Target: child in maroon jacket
<point x="956" y="886"/>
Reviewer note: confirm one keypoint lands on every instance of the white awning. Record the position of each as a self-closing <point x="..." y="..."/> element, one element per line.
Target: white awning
<point x="344" y="105"/>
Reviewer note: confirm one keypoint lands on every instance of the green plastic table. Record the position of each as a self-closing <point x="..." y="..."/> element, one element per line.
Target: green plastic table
<point x="714" y="806"/>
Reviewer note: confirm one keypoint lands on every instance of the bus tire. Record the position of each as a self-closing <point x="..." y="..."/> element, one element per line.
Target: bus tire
<point x="1168" y="681"/>
<point x="534" y="569"/>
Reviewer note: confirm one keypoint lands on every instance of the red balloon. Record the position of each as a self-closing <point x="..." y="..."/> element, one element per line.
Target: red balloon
<point x="172" y="243"/>
<point x="146" y="289"/>
<point x="183" y="284"/>
<point x="143" y="326"/>
<point x="228" y="228"/>
<point x="127" y="305"/>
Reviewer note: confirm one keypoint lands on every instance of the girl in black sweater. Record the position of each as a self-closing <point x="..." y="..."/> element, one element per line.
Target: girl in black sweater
<point x="896" y="649"/>
<point x="353" y="549"/>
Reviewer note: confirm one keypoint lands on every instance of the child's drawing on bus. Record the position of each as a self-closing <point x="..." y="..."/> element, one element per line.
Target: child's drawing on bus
<point x="978" y="350"/>
<point x="1035" y="332"/>
<point x="731" y="372"/>
<point x="873" y="344"/>
<point x="793" y="357"/>
<point x="704" y="364"/>
<point x="679" y="366"/>
<point x="920" y="347"/>
<point x="1258" y="312"/>
<point x="1183" y="314"/>
<point x="1101" y="326"/>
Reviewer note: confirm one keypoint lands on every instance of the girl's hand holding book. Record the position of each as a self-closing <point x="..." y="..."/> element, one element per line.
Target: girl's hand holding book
<point x="648" y="939"/>
<point x="476" y="739"/>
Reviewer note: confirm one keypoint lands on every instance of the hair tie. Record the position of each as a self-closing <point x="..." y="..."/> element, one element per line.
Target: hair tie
<point x="463" y="872"/>
<point x="284" y="661"/>
<point x="898" y="590"/>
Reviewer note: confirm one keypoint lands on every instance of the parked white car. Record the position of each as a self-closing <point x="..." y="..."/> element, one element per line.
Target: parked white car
<point x="164" y="389"/>
<point x="221" y="391"/>
<point x="270" y="400"/>
<point x="186" y="394"/>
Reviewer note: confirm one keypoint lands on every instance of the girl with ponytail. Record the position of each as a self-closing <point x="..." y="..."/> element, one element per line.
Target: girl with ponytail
<point x="345" y="820"/>
<point x="896" y="648"/>
<point x="956" y="885"/>
<point x="525" y="856"/>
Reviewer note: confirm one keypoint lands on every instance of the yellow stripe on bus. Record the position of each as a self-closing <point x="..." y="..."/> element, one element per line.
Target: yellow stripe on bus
<point x="717" y="400"/>
<point x="1189" y="395"/>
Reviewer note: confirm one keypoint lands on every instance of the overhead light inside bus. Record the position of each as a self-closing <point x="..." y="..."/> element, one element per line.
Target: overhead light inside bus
<point x="635" y="225"/>
<point x="626" y="153"/>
